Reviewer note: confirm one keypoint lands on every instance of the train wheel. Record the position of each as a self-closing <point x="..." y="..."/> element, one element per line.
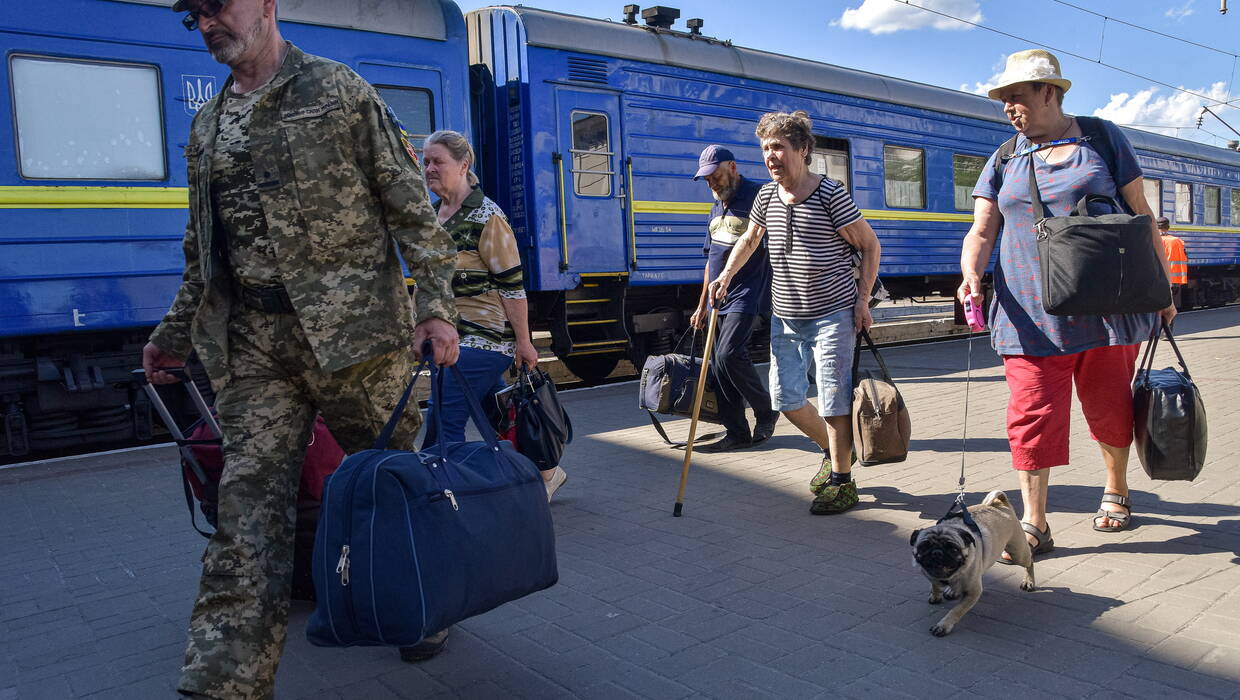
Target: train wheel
<point x="591" y="368"/>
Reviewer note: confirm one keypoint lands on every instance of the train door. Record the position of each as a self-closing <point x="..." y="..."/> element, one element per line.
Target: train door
<point x="591" y="195"/>
<point x="412" y="94"/>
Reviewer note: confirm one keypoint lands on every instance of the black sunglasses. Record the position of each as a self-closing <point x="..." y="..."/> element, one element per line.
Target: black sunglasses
<point x="207" y="9"/>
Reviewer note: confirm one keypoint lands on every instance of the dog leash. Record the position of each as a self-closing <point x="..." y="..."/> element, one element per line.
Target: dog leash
<point x="958" y="508"/>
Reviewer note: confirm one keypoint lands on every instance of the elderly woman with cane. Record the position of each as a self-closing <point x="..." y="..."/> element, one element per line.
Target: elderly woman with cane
<point x="819" y="307"/>
<point x="1045" y="354"/>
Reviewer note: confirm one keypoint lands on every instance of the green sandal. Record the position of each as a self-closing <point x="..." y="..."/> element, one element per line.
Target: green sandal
<point x="835" y="498"/>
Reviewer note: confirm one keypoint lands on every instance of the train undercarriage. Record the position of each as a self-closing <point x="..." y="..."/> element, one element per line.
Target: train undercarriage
<point x="71" y="391"/>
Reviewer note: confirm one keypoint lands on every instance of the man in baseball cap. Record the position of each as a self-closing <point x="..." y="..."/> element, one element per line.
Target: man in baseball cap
<point x="748" y="300"/>
<point x="710" y="160"/>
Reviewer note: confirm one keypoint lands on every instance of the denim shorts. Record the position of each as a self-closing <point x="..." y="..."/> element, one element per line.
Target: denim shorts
<point x="826" y="343"/>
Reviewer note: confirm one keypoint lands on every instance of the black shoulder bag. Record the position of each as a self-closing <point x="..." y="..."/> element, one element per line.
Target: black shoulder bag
<point x="1097" y="264"/>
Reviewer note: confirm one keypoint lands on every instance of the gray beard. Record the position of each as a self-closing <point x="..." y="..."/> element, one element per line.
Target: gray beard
<point x="232" y="48"/>
<point x="724" y="195"/>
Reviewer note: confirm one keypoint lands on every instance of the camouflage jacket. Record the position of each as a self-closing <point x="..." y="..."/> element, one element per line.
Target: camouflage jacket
<point x="338" y="189"/>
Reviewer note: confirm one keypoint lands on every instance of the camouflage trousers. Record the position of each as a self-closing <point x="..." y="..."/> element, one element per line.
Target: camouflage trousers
<point x="266" y="409"/>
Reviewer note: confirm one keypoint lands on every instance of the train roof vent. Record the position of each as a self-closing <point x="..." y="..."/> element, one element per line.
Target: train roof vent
<point x="660" y="16"/>
<point x="591" y="70"/>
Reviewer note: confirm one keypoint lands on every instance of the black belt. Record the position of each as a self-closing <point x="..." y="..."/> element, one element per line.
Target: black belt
<point x="272" y="300"/>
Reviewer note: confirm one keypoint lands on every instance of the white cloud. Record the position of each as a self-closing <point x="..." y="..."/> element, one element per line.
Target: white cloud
<point x="888" y="16"/>
<point x="982" y="88"/>
<point x="1179" y="13"/>
<point x="1161" y="113"/>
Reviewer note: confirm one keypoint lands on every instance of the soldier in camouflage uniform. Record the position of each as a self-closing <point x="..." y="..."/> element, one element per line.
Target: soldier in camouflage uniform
<point x="301" y="186"/>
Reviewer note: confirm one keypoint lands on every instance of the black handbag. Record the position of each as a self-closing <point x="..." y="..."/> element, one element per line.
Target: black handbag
<point x="1169" y="417"/>
<point x="543" y="427"/>
<point x="1097" y="265"/>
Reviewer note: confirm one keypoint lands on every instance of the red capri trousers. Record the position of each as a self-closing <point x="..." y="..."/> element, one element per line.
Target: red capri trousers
<point x="1040" y="408"/>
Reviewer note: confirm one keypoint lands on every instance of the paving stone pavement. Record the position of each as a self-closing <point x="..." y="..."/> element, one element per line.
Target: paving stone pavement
<point x="746" y="596"/>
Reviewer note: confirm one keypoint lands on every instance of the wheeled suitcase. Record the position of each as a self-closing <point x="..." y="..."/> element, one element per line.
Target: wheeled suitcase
<point x="412" y="542"/>
<point x="202" y="464"/>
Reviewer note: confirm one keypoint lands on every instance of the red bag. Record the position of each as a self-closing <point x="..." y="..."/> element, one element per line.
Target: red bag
<point x="202" y="464"/>
<point x="323" y="455"/>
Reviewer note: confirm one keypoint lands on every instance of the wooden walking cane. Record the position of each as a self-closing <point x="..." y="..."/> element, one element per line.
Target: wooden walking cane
<point x="697" y="409"/>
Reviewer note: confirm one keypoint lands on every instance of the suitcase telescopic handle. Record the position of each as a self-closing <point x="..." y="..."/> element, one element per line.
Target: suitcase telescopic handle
<point x="200" y="404"/>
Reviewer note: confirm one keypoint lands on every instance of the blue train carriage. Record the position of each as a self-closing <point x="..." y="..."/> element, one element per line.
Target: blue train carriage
<point x="1197" y="187"/>
<point x="595" y="130"/>
<point x="93" y="187"/>
<point x="592" y="129"/>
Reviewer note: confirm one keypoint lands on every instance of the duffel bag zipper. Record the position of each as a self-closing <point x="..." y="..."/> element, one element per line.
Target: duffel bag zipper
<point x="452" y="496"/>
<point x="343" y="563"/>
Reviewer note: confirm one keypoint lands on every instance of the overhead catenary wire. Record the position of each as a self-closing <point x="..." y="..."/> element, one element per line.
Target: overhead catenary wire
<point x="1144" y="29"/>
<point x="1066" y="52"/>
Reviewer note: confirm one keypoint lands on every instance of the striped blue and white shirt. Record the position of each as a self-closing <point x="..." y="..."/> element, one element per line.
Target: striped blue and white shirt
<point x="811" y="264"/>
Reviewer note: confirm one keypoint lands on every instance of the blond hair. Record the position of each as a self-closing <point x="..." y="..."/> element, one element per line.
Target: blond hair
<point x="796" y="127"/>
<point x="458" y="147"/>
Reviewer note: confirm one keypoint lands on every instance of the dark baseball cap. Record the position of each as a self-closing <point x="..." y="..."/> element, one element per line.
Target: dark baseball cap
<point x="183" y="5"/>
<point x="1163" y="222"/>
<point x="710" y="159"/>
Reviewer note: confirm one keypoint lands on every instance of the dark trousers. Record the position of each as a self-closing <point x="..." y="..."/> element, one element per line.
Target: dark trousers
<point x="736" y="379"/>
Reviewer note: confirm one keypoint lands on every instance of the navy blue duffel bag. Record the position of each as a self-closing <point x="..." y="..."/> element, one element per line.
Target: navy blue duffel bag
<point x="411" y="543"/>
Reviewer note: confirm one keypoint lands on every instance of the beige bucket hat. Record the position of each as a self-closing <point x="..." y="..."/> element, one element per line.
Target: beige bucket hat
<point x="1031" y="66"/>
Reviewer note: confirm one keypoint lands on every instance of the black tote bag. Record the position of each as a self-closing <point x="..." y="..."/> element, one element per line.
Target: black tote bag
<point x="1169" y="417"/>
<point x="543" y="427"/>
<point x="1097" y="265"/>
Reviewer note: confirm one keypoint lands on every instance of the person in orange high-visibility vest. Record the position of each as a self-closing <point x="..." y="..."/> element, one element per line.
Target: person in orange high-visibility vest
<point x="1177" y="258"/>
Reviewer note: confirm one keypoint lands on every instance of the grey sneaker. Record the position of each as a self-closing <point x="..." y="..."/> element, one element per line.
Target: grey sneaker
<point x="558" y="477"/>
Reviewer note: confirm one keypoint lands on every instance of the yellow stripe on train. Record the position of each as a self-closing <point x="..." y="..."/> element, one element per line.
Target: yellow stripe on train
<point x="49" y="197"/>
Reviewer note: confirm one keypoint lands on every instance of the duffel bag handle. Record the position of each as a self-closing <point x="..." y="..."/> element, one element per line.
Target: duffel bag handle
<point x="385" y="436"/>
<point x="869" y="342"/>
<point x="475" y="412"/>
<point x="1147" y="358"/>
<point x="1082" y="205"/>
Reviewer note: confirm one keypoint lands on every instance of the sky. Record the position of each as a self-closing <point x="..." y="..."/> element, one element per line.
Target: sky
<point x="1136" y="86"/>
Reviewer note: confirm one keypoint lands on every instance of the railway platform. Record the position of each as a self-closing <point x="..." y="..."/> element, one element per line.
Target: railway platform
<point x="746" y="596"/>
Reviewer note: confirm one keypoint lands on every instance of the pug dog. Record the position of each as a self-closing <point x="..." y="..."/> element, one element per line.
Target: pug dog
<point x="950" y="555"/>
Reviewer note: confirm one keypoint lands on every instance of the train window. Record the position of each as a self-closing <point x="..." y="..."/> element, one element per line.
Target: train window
<point x="1153" y="195"/>
<point x="1214" y="205"/>
<point x="1183" y="203"/>
<point x="904" y="177"/>
<point x="965" y="172"/>
<point x="591" y="155"/>
<point x="412" y="107"/>
<point x="87" y="120"/>
<point x="1235" y="207"/>
<point x="830" y="158"/>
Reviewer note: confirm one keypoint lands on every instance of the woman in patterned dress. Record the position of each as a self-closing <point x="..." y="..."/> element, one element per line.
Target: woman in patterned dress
<point x="1044" y="355"/>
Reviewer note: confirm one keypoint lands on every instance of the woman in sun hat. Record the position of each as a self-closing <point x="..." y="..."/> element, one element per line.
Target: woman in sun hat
<point x="1044" y="355"/>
